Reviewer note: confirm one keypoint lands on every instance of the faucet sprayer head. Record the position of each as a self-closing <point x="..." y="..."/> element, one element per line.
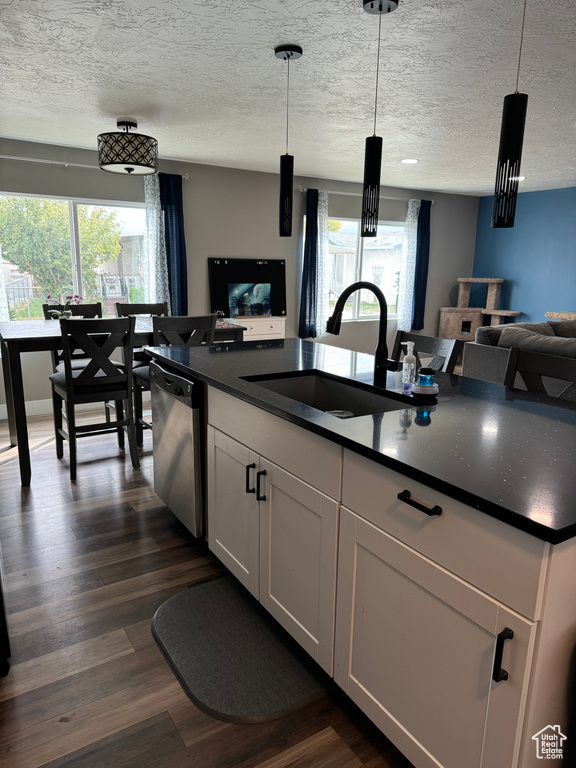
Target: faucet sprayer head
<point x="334" y="322"/>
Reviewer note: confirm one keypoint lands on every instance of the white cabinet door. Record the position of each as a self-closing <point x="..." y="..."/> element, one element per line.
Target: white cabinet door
<point x="298" y="541"/>
<point x="415" y="649"/>
<point x="233" y="533"/>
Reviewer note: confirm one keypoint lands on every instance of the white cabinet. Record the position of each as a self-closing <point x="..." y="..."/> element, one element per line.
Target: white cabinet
<point x="508" y="564"/>
<point x="298" y="536"/>
<point x="261" y="328"/>
<point x="233" y="514"/>
<point x="415" y="649"/>
<point x="277" y="535"/>
<point x="422" y="599"/>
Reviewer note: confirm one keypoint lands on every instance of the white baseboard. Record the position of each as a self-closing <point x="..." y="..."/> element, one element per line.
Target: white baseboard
<point x="33" y="408"/>
<point x="44" y="407"/>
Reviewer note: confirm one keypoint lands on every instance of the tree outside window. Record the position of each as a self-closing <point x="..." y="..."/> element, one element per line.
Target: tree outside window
<point x="57" y="248"/>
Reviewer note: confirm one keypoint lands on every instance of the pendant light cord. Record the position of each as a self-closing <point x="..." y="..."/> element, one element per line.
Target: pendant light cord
<point x="521" y="44"/>
<point x="377" y="69"/>
<point x="287" y="100"/>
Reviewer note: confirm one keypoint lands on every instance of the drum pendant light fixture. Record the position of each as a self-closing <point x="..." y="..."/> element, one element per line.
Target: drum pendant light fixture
<point x="128" y="153"/>
<point x="287" y="53"/>
<point x="373" y="151"/>
<point x="510" y="151"/>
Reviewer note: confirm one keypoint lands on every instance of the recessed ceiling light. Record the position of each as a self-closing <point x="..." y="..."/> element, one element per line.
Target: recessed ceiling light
<point x="409" y="161"/>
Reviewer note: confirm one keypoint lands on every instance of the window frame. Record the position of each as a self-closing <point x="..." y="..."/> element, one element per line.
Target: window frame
<point x="358" y="261"/>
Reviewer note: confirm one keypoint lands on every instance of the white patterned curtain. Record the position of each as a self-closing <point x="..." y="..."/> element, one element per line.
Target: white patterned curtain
<point x="4" y="313"/>
<point x="156" y="287"/>
<point x="323" y="275"/>
<point x="408" y="271"/>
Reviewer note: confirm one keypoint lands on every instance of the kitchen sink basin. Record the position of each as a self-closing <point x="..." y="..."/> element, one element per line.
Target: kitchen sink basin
<point x="338" y="397"/>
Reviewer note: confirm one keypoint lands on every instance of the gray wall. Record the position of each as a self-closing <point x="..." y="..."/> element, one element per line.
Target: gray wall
<point x="235" y="213"/>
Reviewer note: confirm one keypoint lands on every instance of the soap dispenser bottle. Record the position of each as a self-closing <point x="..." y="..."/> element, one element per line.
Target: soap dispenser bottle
<point x="408" y="368"/>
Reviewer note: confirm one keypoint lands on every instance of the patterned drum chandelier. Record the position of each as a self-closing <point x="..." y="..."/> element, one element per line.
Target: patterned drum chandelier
<point x="129" y="153"/>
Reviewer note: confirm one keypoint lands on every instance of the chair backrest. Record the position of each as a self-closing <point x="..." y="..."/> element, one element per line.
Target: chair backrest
<point x="97" y="340"/>
<point x="183" y="331"/>
<point x="85" y="310"/>
<point x="534" y="366"/>
<point x="445" y="352"/>
<point x="150" y="310"/>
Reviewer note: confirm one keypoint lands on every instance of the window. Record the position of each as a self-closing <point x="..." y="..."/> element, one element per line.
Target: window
<point x="376" y="260"/>
<point x="57" y="248"/>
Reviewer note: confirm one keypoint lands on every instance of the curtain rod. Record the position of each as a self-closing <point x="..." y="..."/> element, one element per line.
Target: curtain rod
<point x="185" y="176"/>
<point x="49" y="162"/>
<point x="359" y="194"/>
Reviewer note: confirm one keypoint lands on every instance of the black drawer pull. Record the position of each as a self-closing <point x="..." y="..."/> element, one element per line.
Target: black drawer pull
<point x="248" y="468"/>
<point x="405" y="497"/>
<point x="499" y="674"/>
<point x="259" y="496"/>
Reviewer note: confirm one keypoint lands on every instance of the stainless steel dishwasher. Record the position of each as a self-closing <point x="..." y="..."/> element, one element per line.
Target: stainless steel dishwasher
<point x="177" y="445"/>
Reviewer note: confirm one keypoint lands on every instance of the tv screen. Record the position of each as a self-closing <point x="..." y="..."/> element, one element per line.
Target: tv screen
<point x="247" y="287"/>
<point x="249" y="300"/>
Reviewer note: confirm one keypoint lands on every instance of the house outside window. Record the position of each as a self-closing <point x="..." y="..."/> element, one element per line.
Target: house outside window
<point x="58" y="248"/>
<point x="375" y="260"/>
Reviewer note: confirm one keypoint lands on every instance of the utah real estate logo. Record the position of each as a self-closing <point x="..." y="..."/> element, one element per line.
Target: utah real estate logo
<point x="549" y="743"/>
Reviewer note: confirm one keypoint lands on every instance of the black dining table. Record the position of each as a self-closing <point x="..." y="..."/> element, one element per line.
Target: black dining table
<point x="44" y="336"/>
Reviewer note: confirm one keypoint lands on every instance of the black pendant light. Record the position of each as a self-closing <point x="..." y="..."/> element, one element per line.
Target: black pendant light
<point x="373" y="151"/>
<point x="510" y="151"/>
<point x="286" y="52"/>
<point x="129" y="153"/>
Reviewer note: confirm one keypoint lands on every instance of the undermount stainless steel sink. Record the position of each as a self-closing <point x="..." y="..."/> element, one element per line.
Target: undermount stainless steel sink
<point x="344" y="399"/>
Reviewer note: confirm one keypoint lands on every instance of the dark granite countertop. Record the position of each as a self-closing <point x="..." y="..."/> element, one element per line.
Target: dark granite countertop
<point x="510" y="456"/>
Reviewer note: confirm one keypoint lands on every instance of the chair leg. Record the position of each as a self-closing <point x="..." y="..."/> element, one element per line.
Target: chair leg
<point x="71" y="418"/>
<point x="120" y="417"/>
<point x="57" y="410"/>
<point x="138" y="414"/>
<point x="131" y="429"/>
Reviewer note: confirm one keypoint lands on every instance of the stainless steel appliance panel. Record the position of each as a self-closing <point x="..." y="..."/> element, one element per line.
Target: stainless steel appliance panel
<point x="177" y="446"/>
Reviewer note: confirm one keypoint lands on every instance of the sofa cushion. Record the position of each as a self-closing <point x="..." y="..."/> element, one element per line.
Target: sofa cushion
<point x="564" y="328"/>
<point x="512" y="336"/>
<point x="490" y="334"/>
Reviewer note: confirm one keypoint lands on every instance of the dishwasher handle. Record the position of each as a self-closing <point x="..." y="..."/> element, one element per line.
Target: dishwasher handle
<point x="172" y="383"/>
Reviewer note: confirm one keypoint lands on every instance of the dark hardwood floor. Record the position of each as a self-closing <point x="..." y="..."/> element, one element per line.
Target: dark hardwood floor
<point x="86" y="566"/>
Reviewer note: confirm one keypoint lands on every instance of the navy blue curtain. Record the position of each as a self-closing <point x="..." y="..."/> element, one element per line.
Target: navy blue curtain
<point x="309" y="291"/>
<point x="171" y="202"/>
<point x="422" y="257"/>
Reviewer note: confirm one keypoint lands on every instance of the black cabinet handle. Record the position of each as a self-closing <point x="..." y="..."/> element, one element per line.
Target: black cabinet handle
<point x="405" y="497"/>
<point x="248" y="468"/>
<point x="259" y="496"/>
<point x="499" y="674"/>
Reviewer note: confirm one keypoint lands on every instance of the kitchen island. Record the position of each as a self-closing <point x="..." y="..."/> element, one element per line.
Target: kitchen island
<point x="423" y="555"/>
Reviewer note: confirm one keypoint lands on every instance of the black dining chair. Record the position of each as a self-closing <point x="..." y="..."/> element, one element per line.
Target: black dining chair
<point x="542" y="374"/>
<point x="166" y="331"/>
<point x="82" y="310"/>
<point x="444" y="352"/>
<point x="100" y="380"/>
<point x="159" y="309"/>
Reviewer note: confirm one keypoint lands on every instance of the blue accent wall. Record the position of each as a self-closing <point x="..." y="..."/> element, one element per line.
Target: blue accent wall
<point x="536" y="257"/>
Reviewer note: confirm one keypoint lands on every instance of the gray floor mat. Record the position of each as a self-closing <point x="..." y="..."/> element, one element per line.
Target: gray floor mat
<point x="231" y="658"/>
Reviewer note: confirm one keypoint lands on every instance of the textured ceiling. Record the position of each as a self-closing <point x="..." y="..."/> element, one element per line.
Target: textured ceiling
<point x="201" y="77"/>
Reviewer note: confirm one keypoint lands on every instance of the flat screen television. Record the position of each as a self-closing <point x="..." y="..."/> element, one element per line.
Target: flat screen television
<point x="247" y="287"/>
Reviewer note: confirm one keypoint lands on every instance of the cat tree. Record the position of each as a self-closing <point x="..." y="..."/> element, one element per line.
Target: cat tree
<point x="461" y="322"/>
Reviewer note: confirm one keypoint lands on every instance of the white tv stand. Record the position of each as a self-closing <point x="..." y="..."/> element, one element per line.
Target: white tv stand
<point x="261" y="328"/>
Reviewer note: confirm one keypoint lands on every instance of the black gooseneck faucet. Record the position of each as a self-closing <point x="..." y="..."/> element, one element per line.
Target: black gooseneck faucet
<point x="381" y="361"/>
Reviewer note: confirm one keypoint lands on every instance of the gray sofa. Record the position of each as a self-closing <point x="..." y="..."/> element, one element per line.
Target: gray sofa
<point x="486" y="358"/>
